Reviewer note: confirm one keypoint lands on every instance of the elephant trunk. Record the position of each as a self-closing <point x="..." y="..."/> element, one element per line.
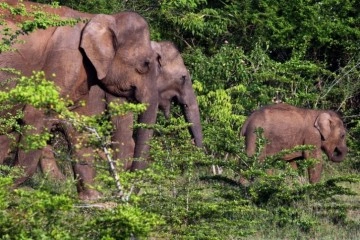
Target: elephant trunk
<point x="192" y="115"/>
<point x="338" y="154"/>
<point x="143" y="136"/>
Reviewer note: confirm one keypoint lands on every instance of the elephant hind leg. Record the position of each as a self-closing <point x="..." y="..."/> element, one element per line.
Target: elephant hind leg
<point x="250" y="144"/>
<point x="5" y="143"/>
<point x="28" y="161"/>
<point x="49" y="165"/>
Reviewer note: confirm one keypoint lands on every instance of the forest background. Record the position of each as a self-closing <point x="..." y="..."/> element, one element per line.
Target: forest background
<point x="242" y="55"/>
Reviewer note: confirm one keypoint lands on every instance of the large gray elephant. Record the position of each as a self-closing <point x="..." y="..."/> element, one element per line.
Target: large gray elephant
<point x="174" y="85"/>
<point x="110" y="51"/>
<point x="286" y="126"/>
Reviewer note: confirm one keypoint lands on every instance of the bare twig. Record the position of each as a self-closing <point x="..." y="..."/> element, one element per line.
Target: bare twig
<point x="111" y="163"/>
<point x="337" y="81"/>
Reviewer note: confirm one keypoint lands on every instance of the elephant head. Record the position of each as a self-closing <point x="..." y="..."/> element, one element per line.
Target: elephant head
<point x="118" y="46"/>
<point x="333" y="133"/>
<point x="174" y="85"/>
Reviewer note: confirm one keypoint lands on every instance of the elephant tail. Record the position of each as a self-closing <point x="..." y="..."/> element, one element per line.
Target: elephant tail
<point x="250" y="137"/>
<point x="244" y="128"/>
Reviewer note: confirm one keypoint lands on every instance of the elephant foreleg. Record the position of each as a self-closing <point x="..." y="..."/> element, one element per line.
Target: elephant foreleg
<point x="85" y="174"/>
<point x="293" y="164"/>
<point x="123" y="143"/>
<point x="83" y="168"/>
<point x="315" y="172"/>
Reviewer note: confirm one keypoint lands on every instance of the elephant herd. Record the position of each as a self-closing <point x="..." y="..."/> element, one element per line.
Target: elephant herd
<point x="110" y="58"/>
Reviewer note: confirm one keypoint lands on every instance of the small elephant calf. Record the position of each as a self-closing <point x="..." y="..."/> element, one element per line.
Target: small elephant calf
<point x="286" y="126"/>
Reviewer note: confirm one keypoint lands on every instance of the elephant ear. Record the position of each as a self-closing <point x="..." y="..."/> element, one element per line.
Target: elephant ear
<point x="323" y="124"/>
<point x="157" y="48"/>
<point x="98" y="43"/>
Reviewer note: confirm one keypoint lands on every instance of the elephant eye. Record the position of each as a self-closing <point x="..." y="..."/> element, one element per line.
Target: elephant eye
<point x="147" y="63"/>
<point x="183" y="79"/>
<point x="158" y="59"/>
<point x="144" y="67"/>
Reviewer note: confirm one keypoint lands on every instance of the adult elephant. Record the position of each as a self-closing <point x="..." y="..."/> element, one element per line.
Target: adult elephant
<point x="110" y="51"/>
<point x="173" y="85"/>
<point x="286" y="126"/>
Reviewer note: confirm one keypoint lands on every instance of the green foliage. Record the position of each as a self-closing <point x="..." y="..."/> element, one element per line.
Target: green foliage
<point x="122" y="109"/>
<point x="37" y="91"/>
<point x="123" y="222"/>
<point x="92" y="6"/>
<point x="32" y="214"/>
<point x="242" y="55"/>
<point x="40" y="214"/>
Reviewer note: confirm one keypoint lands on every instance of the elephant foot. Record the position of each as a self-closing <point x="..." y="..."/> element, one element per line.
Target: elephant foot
<point x="244" y="182"/>
<point x="89" y="195"/>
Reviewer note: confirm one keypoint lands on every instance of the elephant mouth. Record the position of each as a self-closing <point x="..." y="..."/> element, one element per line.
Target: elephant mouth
<point x="338" y="155"/>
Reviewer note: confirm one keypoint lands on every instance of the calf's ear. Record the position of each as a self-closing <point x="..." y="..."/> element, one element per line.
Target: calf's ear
<point x="323" y="124"/>
<point x="157" y="48"/>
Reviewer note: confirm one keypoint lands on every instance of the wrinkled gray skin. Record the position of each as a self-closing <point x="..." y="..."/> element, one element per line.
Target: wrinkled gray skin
<point x="112" y="52"/>
<point x="286" y="126"/>
<point x="174" y="84"/>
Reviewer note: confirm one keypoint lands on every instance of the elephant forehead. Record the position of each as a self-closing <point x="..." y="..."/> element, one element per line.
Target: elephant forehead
<point x="132" y="21"/>
<point x="174" y="71"/>
<point x="338" y="122"/>
<point x="135" y="54"/>
<point x="173" y="62"/>
<point x="338" y="131"/>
